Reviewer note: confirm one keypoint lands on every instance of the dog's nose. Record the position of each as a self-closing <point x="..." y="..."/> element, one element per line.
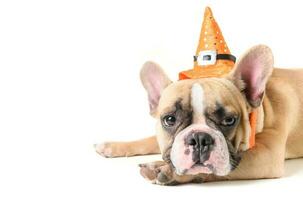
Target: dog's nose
<point x="202" y="144"/>
<point x="201" y="140"/>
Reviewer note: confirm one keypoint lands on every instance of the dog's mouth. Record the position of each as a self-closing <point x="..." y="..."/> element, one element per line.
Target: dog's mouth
<point x="203" y="165"/>
<point x="198" y="168"/>
<point x="198" y="164"/>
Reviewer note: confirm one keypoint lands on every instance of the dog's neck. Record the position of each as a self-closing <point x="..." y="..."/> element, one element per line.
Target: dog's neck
<point x="260" y="119"/>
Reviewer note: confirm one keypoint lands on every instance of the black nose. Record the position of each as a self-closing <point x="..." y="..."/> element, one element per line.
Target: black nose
<point x="202" y="144"/>
<point x="201" y="140"/>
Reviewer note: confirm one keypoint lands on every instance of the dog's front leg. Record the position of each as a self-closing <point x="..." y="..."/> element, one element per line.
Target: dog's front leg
<point x="119" y="149"/>
<point x="264" y="160"/>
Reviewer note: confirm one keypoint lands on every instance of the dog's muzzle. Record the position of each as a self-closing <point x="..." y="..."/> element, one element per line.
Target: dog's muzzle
<point x="200" y="149"/>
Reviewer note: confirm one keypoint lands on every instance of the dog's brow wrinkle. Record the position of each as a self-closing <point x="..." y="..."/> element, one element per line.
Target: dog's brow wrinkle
<point x="220" y="111"/>
<point x="178" y="104"/>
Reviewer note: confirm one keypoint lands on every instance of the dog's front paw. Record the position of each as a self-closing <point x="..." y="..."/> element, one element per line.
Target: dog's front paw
<point x="110" y="149"/>
<point x="103" y="149"/>
<point x="158" y="172"/>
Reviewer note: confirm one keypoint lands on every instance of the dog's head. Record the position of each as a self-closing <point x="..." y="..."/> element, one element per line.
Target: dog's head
<point x="202" y="124"/>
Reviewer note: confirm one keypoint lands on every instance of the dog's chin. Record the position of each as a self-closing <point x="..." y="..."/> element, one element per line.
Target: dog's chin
<point x="199" y="168"/>
<point x="203" y="168"/>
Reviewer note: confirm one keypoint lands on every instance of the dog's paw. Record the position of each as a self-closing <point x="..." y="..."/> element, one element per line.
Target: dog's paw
<point x="158" y="172"/>
<point x="105" y="149"/>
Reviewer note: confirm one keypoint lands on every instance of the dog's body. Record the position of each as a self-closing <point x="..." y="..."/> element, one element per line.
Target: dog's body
<point x="202" y="105"/>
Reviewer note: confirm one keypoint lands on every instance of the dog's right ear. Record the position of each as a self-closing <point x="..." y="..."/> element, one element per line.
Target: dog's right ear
<point x="254" y="69"/>
<point x="154" y="81"/>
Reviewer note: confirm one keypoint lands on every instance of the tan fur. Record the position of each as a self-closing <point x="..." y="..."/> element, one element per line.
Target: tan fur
<point x="118" y="149"/>
<point x="279" y="137"/>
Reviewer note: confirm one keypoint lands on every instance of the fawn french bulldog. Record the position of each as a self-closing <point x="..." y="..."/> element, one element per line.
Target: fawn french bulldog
<point x="223" y="120"/>
<point x="203" y="127"/>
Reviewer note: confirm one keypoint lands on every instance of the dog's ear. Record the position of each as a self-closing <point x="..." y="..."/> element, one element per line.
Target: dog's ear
<point x="154" y="81"/>
<point x="254" y="69"/>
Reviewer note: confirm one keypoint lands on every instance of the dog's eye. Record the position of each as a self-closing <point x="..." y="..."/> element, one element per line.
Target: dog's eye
<point x="229" y="121"/>
<point x="169" y="120"/>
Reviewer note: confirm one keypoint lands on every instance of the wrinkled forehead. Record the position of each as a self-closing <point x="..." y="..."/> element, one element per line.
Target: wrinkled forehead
<point x="212" y="92"/>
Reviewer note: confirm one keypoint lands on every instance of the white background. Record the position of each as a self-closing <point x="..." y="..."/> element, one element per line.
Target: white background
<point x="69" y="79"/>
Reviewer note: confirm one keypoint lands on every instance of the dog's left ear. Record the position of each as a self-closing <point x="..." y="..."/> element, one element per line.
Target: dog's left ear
<point x="254" y="69"/>
<point x="154" y="80"/>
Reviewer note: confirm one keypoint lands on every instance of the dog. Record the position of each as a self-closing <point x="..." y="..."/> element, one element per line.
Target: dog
<point x="203" y="124"/>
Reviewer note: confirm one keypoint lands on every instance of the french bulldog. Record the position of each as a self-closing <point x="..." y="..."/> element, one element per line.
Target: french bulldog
<point x="203" y="124"/>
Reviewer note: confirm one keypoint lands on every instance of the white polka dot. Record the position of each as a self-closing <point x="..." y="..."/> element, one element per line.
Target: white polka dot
<point x="221" y="41"/>
<point x="204" y="39"/>
<point x="205" y="32"/>
<point x="217" y="32"/>
<point x="225" y="50"/>
<point x="206" y="45"/>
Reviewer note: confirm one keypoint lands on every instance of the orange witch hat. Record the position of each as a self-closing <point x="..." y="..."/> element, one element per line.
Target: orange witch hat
<point x="213" y="58"/>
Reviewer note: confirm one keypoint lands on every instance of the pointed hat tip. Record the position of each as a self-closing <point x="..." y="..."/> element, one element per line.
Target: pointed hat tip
<point x="208" y="11"/>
